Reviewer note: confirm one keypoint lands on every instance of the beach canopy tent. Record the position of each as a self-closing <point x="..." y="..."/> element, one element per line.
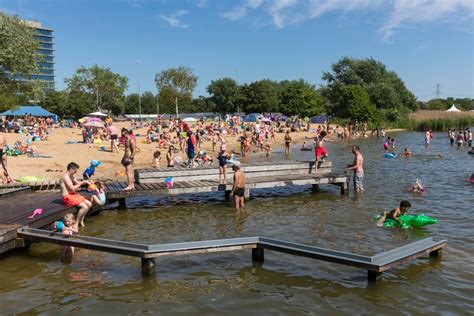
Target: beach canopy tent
<point x="97" y="114"/>
<point x="33" y="110"/>
<point x="320" y="119"/>
<point x="252" y="117"/>
<point x="453" y="108"/>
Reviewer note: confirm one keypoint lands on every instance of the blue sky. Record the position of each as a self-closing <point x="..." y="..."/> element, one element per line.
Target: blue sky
<point x="425" y="41"/>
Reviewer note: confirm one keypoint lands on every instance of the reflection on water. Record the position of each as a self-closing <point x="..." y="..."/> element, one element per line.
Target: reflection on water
<point x="34" y="281"/>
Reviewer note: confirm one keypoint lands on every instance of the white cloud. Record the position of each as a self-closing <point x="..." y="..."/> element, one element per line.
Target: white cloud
<point x="423" y="11"/>
<point x="397" y="13"/>
<point x="173" y="19"/>
<point x="240" y="10"/>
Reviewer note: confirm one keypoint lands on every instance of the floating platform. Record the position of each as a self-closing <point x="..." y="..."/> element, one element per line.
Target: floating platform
<point x="374" y="265"/>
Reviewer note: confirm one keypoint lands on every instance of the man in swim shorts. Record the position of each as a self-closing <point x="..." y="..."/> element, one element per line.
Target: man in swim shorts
<point x="238" y="189"/>
<point x="358" y="168"/>
<point x="319" y="150"/>
<point x="69" y="185"/>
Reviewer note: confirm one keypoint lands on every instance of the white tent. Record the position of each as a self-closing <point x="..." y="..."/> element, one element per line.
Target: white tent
<point x="453" y="109"/>
<point x="97" y="114"/>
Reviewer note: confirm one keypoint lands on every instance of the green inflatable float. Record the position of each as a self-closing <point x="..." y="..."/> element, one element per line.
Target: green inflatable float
<point x="26" y="179"/>
<point x="409" y="221"/>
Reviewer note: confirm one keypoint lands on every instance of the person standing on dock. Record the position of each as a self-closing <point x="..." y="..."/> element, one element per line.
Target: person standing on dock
<point x="127" y="160"/>
<point x="358" y="167"/>
<point x="69" y="185"/>
<point x="238" y="189"/>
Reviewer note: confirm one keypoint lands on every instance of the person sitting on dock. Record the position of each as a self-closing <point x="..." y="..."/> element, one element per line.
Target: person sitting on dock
<point x="69" y="227"/>
<point x="238" y="189"/>
<point x="69" y="185"/>
<point x="393" y="214"/>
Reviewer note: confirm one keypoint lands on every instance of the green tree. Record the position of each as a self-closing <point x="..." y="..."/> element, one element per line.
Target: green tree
<point x="356" y="99"/>
<point x="386" y="90"/>
<point x="57" y="103"/>
<point x="203" y="104"/>
<point x="300" y="97"/>
<point x="225" y="94"/>
<point x="260" y="96"/>
<point x="176" y="84"/>
<point x="104" y="89"/>
<point x="18" y="58"/>
<point x="18" y="47"/>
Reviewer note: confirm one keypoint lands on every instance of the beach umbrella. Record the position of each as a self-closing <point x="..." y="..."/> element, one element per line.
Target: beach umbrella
<point x="94" y="124"/>
<point x="97" y="114"/>
<point x="92" y="119"/>
<point x="190" y="119"/>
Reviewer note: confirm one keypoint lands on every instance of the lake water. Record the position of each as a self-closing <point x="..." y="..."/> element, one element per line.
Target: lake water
<point x="34" y="281"/>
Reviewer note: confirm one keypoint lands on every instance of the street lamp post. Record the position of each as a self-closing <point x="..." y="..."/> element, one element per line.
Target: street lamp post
<point x="139" y="96"/>
<point x="237" y="80"/>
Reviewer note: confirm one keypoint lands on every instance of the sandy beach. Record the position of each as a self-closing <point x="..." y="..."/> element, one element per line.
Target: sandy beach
<point x="111" y="169"/>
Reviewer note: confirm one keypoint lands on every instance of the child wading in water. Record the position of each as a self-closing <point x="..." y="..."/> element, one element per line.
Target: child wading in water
<point x="69" y="228"/>
<point x="223" y="157"/>
<point x="393" y="214"/>
<point x="99" y="195"/>
<point x="156" y="159"/>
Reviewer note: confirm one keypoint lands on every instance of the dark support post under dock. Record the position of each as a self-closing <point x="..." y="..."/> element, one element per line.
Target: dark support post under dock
<point x="436" y="253"/>
<point x="373" y="276"/>
<point x="148" y="266"/>
<point x="227" y="195"/>
<point x="257" y="254"/>
<point x="316" y="188"/>
<point x="122" y="203"/>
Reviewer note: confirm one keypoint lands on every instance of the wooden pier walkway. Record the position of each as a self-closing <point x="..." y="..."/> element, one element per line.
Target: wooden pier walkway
<point x="150" y="182"/>
<point x="374" y="265"/>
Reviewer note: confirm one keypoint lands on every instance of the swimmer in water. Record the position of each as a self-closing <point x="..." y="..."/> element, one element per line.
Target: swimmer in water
<point x="418" y="187"/>
<point x="393" y="214"/>
<point x="407" y="153"/>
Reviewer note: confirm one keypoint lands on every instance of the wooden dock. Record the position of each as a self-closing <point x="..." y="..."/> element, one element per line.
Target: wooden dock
<point x="151" y="182"/>
<point x="374" y="265"/>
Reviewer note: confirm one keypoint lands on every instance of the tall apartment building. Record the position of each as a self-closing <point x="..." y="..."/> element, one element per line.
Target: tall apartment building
<point x="46" y="67"/>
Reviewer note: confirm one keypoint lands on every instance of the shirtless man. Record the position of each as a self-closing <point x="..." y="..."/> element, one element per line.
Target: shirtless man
<point x="127" y="160"/>
<point x="357" y="167"/>
<point x="69" y="185"/>
<point x="238" y="189"/>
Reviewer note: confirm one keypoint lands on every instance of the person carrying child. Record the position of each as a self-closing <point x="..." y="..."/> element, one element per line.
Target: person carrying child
<point x="99" y="197"/>
<point x="393" y="214"/>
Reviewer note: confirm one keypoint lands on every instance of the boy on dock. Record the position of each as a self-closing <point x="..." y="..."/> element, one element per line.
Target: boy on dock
<point x="319" y="150"/>
<point x="69" y="185"/>
<point x="393" y="214"/>
<point x="238" y="189"/>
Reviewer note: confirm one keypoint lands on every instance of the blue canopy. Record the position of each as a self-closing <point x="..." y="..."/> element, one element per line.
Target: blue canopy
<point x="252" y="117"/>
<point x="33" y="110"/>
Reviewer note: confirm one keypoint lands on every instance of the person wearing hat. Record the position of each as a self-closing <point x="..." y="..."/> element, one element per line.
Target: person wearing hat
<point x="89" y="172"/>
